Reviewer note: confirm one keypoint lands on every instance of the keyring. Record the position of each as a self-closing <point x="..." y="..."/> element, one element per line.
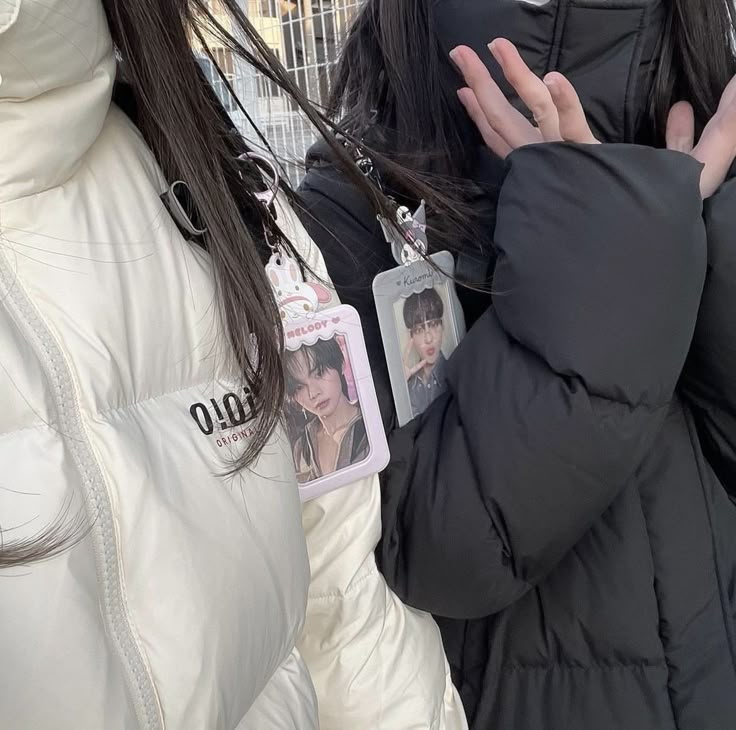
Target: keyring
<point x="269" y="196"/>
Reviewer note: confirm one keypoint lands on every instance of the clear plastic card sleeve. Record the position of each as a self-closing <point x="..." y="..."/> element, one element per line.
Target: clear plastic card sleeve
<point x="332" y="418"/>
<point x="421" y="323"/>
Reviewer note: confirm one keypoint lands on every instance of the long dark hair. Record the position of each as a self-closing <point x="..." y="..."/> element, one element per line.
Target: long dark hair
<point x="697" y="59"/>
<point x="409" y="117"/>
<point x="192" y="140"/>
<point x="182" y="123"/>
<point x="68" y="528"/>
<point x="394" y="80"/>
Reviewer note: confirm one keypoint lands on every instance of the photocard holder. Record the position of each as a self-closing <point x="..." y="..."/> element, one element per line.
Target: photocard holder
<point x="332" y="417"/>
<point x="331" y="412"/>
<point x="421" y="323"/>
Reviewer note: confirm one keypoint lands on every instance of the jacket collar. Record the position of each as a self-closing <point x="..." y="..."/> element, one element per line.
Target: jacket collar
<point x="57" y="69"/>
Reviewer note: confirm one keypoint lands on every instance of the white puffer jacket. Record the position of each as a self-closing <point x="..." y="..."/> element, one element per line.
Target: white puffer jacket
<point x="376" y="663"/>
<point x="181" y="608"/>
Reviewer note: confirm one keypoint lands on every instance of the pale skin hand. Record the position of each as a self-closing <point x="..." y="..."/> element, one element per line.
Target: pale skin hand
<point x="559" y="115"/>
<point x="410" y="371"/>
<point x="716" y="147"/>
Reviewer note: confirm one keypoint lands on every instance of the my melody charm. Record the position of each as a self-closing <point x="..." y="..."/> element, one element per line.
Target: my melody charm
<point x="297" y="299"/>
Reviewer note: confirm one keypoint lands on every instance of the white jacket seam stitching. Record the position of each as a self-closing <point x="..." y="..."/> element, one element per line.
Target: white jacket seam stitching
<point x="20" y="301"/>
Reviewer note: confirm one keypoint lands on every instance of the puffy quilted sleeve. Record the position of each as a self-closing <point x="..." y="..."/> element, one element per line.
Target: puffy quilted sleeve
<point x="556" y="394"/>
<point x="710" y="375"/>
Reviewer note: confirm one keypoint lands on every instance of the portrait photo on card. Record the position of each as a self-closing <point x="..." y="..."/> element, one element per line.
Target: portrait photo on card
<point x="421" y="325"/>
<point x="332" y="417"/>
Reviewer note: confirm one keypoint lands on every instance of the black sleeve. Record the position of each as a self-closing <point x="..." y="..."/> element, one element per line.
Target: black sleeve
<point x="710" y="375"/>
<point x="556" y="394"/>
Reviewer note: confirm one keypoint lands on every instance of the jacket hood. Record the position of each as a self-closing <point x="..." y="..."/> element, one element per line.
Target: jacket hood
<point x="57" y="68"/>
<point x="607" y="48"/>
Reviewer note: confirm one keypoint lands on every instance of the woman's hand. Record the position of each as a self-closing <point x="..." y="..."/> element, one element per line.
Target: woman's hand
<point x="559" y="115"/>
<point x="553" y="102"/>
<point x="716" y="147"/>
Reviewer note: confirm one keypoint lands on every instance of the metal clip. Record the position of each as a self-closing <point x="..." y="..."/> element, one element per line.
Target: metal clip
<point x="412" y="245"/>
<point x="268" y="196"/>
<point x="177" y="211"/>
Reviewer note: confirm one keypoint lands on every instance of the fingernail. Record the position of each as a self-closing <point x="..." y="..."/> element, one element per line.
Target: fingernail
<point x="456" y="55"/>
<point x="498" y="48"/>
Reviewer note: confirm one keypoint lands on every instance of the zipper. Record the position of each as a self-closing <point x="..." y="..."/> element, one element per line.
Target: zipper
<point x="97" y="499"/>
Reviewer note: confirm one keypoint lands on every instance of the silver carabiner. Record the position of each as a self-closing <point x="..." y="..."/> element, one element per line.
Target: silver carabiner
<point x="268" y="196"/>
<point x="176" y="209"/>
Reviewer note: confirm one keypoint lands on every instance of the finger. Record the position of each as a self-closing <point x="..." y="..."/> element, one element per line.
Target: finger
<point x="729" y="94"/>
<point x="507" y="122"/>
<point x="573" y="124"/>
<point x="529" y="87"/>
<point x="417" y="368"/>
<point x="680" y="132"/>
<point x="493" y="140"/>
<point x="716" y="148"/>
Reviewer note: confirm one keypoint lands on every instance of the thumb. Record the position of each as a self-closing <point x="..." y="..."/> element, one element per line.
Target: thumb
<point x="680" y="132"/>
<point x="716" y="148"/>
<point x="729" y="94"/>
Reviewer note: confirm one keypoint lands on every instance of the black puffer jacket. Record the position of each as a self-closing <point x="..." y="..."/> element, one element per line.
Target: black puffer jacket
<point x="564" y="508"/>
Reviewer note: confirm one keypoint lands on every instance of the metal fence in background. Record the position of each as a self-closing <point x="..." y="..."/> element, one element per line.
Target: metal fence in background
<point x="306" y="35"/>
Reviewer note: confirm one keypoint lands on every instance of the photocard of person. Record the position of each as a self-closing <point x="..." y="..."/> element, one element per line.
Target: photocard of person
<point x="421" y="325"/>
<point x="332" y="417"/>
